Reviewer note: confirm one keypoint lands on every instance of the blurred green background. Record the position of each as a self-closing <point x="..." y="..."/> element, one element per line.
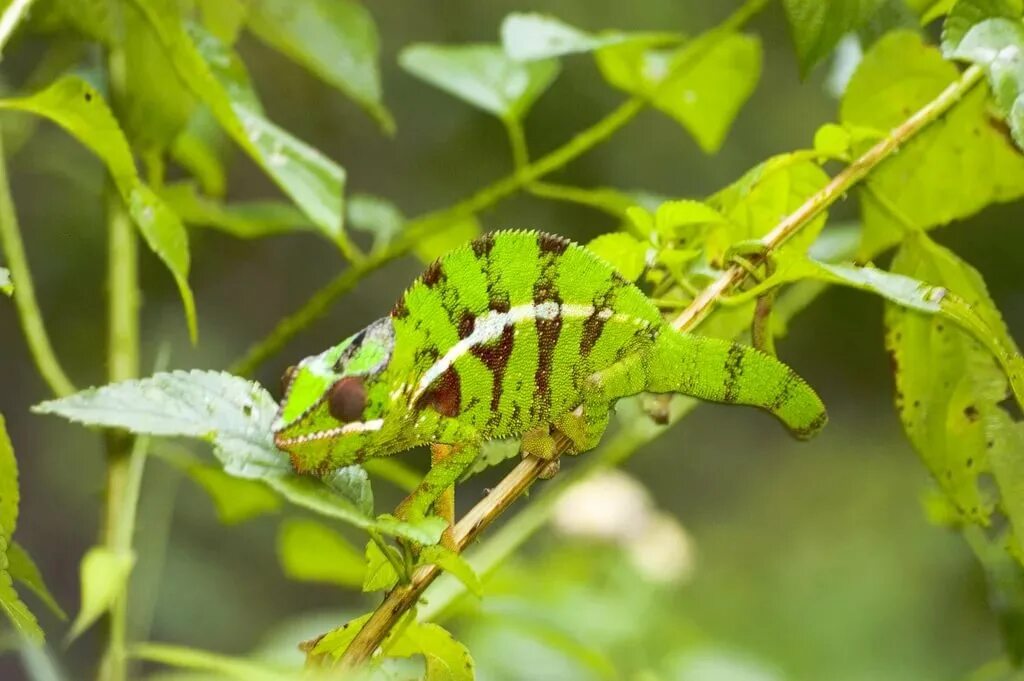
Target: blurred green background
<point x="809" y="561"/>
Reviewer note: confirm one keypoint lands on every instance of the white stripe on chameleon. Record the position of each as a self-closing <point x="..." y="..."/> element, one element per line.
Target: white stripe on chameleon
<point x="347" y="429"/>
<point x="488" y="328"/>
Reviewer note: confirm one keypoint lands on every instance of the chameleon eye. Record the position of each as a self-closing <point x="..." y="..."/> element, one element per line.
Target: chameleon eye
<point x="287" y="378"/>
<point x="347" y="399"/>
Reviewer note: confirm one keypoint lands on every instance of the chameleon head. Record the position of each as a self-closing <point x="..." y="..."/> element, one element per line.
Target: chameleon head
<point x="335" y="404"/>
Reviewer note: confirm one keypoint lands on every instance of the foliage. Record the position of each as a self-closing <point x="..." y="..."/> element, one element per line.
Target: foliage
<point x="925" y="135"/>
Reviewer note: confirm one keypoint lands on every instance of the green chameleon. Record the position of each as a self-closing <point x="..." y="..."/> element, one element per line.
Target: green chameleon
<point x="511" y="335"/>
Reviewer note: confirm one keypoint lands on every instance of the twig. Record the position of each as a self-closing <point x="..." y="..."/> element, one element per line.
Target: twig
<point x="24" y="293"/>
<point x="402" y="598"/>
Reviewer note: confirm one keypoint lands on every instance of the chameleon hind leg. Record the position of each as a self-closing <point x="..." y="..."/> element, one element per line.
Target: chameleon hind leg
<point x="444" y="506"/>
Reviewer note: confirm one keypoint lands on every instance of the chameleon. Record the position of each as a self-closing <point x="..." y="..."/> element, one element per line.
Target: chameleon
<point x="516" y="334"/>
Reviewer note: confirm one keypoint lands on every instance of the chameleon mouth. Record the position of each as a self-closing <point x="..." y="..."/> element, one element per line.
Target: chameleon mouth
<point x="283" y="442"/>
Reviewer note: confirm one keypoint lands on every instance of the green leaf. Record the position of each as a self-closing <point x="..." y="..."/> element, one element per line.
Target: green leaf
<point x="78" y="108"/>
<point x="452" y="562"/>
<point x="491" y="454"/>
<point x="204" y="661"/>
<point x="482" y="75"/>
<point x="832" y="141"/>
<point x="444" y="237"/>
<point x="11" y="604"/>
<point x="24" y="570"/>
<point x="954" y="168"/>
<point x="334" y="642"/>
<point x="446" y="658"/>
<point x="335" y="39"/>
<point x="966" y="14"/>
<point x="817" y="25"/>
<point x="104" y="576"/>
<point x="91" y="18"/>
<point x="996" y="45"/>
<point x="244" y="220"/>
<point x="198" y="149"/>
<point x="236" y="499"/>
<point x="532" y="36"/>
<point x="376" y="216"/>
<point x="6" y="287"/>
<point x="625" y="253"/>
<point x="673" y="218"/>
<point x="310" y="551"/>
<point x="154" y="106"/>
<point x="949" y="388"/>
<point x="235" y="415"/>
<point x="704" y="97"/>
<point x="380" y="574"/>
<point x="314" y="182"/>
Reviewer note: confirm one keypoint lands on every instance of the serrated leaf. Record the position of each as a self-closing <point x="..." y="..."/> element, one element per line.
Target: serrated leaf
<point x="533" y="36"/>
<point x="334" y="642"/>
<point x="998" y="46"/>
<point x="966" y="14"/>
<point x="376" y="216"/>
<point x="446" y="659"/>
<point x="705" y="97"/>
<point x="104" y="577"/>
<point x="314" y="182"/>
<point x="949" y="388"/>
<point x="236" y="499"/>
<point x="444" y="237"/>
<point x="335" y="39"/>
<point x="244" y="220"/>
<point x="16" y="611"/>
<point x="625" y="253"/>
<point x="452" y="562"/>
<point x="6" y="287"/>
<point x="954" y="168"/>
<point x="235" y="415"/>
<point x="78" y="108"/>
<point x="221" y="665"/>
<point x="481" y="75"/>
<point x="817" y="25"/>
<point x="673" y="217"/>
<point x="24" y="570"/>
<point x="310" y="551"/>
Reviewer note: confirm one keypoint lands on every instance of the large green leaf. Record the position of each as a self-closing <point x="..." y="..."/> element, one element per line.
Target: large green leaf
<point x="104" y="577"/>
<point x="335" y="39"/>
<point x="482" y="75"/>
<point x="704" y="97"/>
<point x="949" y="388"/>
<point x="310" y="551"/>
<point x="998" y="46"/>
<point x="817" y="25"/>
<point x="77" y="107"/>
<point x="312" y="180"/>
<point x="235" y="415"/>
<point x="959" y="165"/>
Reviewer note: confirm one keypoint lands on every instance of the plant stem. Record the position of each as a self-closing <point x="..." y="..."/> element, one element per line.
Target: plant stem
<point x="24" y="293"/>
<point x="402" y="598"/>
<point x="582" y="142"/>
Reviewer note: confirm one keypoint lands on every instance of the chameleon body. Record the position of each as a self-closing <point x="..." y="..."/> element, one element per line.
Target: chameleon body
<point x="507" y="336"/>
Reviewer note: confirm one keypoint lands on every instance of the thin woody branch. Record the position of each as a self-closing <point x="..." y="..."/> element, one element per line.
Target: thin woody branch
<point x="404" y="597"/>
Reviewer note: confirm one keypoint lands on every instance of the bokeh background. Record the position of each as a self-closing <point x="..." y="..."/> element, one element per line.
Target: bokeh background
<point x="784" y="560"/>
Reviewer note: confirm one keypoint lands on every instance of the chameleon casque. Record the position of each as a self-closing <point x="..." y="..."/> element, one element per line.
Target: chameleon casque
<point x="507" y="336"/>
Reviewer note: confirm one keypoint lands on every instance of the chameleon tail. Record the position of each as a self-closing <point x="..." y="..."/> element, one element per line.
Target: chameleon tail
<point x="722" y="371"/>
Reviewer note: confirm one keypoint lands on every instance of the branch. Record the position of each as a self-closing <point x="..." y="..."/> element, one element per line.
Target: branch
<point x="404" y="597"/>
<point x="528" y="174"/>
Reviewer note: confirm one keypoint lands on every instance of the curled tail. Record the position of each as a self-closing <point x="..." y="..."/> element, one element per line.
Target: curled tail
<point x="721" y="371"/>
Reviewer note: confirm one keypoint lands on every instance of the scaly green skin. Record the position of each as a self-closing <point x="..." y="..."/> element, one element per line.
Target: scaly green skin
<point x="505" y="337"/>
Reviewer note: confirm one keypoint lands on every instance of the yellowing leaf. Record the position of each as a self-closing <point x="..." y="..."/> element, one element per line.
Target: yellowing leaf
<point x="623" y="252"/>
<point x="310" y="551"/>
<point x="703" y="97"/>
<point x="482" y="75"/>
<point x="335" y="39"/>
<point x="78" y="108"/>
<point x="104" y="577"/>
<point x="954" y="168"/>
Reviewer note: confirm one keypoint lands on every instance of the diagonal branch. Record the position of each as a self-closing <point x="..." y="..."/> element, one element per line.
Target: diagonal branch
<point x="404" y="597"/>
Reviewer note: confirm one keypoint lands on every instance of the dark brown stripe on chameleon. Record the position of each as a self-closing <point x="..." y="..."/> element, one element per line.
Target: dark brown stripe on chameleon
<point x="548" y="331"/>
<point x="495" y="356"/>
<point x="552" y="243"/>
<point x="733" y="370"/>
<point x="482" y="246"/>
<point x="500" y="302"/>
<point x="444" y="395"/>
<point x="784" y="390"/>
<point x="400" y="311"/>
<point x="593" y="326"/>
<point x="466" y="323"/>
<point x="432" y="275"/>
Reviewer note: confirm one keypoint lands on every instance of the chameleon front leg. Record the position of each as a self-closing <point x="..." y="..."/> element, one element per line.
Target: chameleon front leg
<point x="445" y="470"/>
<point x="444" y="507"/>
